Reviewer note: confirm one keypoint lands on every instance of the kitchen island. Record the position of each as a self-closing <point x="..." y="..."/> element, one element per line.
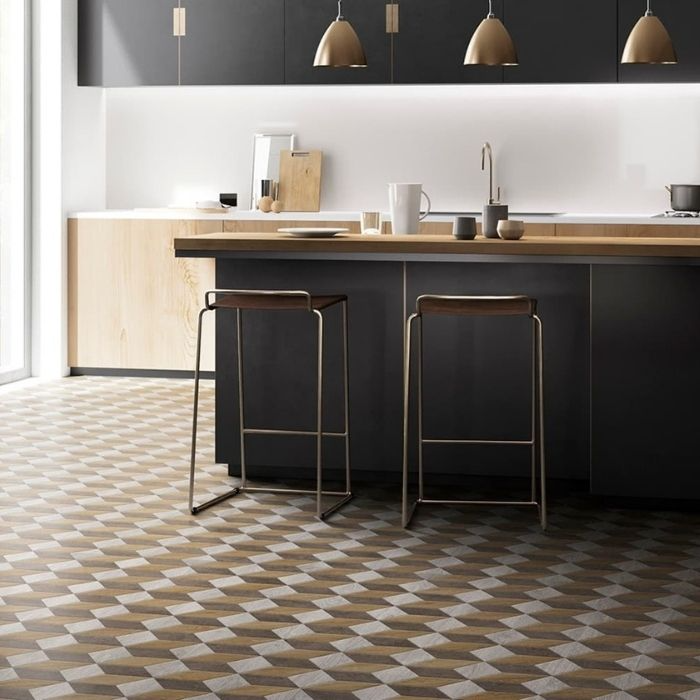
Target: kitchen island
<point x="622" y="340"/>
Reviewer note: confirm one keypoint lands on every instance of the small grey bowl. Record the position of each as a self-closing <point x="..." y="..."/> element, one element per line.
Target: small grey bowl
<point x="510" y="229"/>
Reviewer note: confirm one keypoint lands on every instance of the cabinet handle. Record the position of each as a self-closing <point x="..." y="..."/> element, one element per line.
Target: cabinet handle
<point x="179" y="21"/>
<point x="392" y="18"/>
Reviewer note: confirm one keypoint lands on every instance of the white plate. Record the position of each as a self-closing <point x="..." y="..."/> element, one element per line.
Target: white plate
<point x="313" y="232"/>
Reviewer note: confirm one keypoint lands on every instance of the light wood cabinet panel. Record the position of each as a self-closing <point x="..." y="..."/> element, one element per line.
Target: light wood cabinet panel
<point x="131" y="303"/>
<point x="628" y="230"/>
<point x="439" y="228"/>
<point x="271" y="224"/>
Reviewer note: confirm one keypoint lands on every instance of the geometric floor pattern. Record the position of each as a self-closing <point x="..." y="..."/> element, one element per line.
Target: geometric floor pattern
<point x="109" y="588"/>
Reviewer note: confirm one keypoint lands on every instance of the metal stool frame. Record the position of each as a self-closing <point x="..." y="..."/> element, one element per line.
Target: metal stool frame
<point x="319" y="434"/>
<point x="536" y="441"/>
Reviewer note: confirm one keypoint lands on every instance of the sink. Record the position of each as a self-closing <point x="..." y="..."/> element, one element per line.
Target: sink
<point x="536" y="213"/>
<point x="510" y="213"/>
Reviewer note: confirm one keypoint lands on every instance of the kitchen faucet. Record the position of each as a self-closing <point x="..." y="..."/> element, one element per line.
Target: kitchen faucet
<point x="486" y="149"/>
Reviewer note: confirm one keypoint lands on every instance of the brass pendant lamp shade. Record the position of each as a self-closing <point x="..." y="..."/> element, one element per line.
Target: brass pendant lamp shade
<point x="649" y="42"/>
<point x="340" y="46"/>
<point x="491" y="44"/>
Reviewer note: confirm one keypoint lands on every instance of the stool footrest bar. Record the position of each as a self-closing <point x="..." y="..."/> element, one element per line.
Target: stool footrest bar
<point x="345" y="496"/>
<point x="338" y="504"/>
<point x="310" y="433"/>
<point x="458" y="502"/>
<point x="216" y="500"/>
<point x="447" y="441"/>
<point x="272" y="489"/>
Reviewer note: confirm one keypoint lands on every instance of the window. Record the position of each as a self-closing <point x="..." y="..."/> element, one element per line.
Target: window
<point x="14" y="171"/>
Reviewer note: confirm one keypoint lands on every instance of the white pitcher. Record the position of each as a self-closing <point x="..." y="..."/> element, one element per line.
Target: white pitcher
<point x="404" y="204"/>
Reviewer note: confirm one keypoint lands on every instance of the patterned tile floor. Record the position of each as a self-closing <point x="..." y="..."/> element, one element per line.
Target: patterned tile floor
<point x="109" y="588"/>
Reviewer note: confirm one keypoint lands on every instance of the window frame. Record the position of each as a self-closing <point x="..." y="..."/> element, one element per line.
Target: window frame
<point x="11" y="375"/>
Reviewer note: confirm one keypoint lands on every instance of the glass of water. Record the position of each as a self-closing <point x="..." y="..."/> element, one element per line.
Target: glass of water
<point x="371" y="222"/>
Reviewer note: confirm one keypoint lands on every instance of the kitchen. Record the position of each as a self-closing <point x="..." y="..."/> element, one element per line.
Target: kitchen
<point x="601" y="153"/>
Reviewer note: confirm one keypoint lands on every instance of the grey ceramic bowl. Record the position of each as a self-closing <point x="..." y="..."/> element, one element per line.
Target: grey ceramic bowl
<point x="510" y="229"/>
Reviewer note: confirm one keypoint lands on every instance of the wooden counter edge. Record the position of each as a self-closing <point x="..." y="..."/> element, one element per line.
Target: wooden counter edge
<point x="439" y="244"/>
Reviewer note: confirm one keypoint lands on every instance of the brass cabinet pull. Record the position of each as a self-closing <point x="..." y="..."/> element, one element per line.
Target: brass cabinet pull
<point x="392" y="18"/>
<point x="179" y="21"/>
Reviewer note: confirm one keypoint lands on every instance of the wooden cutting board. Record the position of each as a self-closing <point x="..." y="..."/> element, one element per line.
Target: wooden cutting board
<point x="300" y="180"/>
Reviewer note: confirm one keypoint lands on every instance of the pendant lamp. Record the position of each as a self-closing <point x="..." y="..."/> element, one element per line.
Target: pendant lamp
<point x="649" y="42"/>
<point x="340" y="47"/>
<point x="491" y="44"/>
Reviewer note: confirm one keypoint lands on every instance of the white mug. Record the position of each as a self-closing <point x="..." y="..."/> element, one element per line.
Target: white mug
<point x="404" y="203"/>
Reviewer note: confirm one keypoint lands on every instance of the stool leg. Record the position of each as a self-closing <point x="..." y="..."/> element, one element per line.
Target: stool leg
<point x="421" y="495"/>
<point x="241" y="403"/>
<point x="319" y="417"/>
<point x="344" y="496"/>
<point x="218" y="499"/>
<point x="346" y="381"/>
<point x="405" y="513"/>
<point x="533" y="417"/>
<point x="195" y="408"/>
<point x="540" y="394"/>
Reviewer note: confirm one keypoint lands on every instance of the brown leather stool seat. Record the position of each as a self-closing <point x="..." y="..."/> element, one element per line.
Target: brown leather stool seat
<point x="475" y="306"/>
<point x="276" y="301"/>
<point x="251" y="300"/>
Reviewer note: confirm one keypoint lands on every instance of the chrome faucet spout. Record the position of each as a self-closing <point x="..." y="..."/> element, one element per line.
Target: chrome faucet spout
<point x="486" y="150"/>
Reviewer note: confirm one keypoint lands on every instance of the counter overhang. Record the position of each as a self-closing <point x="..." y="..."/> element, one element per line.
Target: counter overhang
<point x="444" y="248"/>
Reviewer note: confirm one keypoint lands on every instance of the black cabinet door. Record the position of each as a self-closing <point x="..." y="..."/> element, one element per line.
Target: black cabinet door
<point x="127" y="42"/>
<point x="233" y="42"/>
<point x="682" y="19"/>
<point x="646" y="380"/>
<point x="307" y="20"/>
<point x="563" y="42"/>
<point x="432" y="40"/>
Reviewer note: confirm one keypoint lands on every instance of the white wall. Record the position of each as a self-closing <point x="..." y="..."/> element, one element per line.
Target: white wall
<point x="83" y="127"/>
<point x="576" y="148"/>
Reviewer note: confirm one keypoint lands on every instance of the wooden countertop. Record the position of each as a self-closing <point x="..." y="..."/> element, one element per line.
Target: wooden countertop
<point x="222" y="243"/>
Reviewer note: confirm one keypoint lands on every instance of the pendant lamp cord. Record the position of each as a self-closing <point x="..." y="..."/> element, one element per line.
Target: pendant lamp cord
<point x="648" y="13"/>
<point x="490" y="14"/>
<point x="340" y="11"/>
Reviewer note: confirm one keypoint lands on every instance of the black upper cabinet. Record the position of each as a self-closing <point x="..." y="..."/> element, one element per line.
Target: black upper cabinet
<point x="127" y="42"/>
<point x="432" y="40"/>
<point x="563" y="42"/>
<point x="226" y="42"/>
<point x="681" y="18"/>
<point x="232" y="42"/>
<point x="307" y="20"/>
<point x="258" y="42"/>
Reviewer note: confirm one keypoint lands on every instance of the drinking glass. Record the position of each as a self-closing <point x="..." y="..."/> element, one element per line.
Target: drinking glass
<point x="371" y="222"/>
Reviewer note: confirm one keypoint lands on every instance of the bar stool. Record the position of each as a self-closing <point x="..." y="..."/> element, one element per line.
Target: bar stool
<point x="240" y="300"/>
<point x="475" y="306"/>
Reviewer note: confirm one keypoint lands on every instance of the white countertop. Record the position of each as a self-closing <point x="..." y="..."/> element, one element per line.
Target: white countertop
<point x="246" y="215"/>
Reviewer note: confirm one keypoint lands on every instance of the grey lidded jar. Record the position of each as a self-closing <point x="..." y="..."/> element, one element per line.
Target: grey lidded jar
<point x="493" y="213"/>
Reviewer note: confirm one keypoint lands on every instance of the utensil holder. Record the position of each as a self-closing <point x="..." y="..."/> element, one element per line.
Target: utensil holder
<point x="493" y="213"/>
